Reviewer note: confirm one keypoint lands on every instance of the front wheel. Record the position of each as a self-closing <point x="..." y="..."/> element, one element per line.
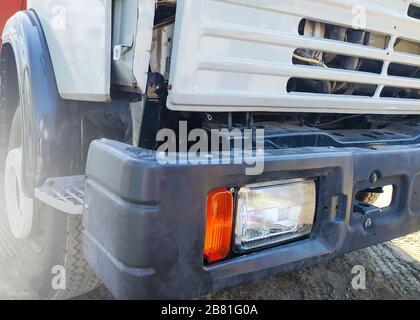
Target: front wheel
<point x="48" y="242"/>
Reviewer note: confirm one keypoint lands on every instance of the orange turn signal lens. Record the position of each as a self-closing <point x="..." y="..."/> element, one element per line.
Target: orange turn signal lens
<point x="219" y="225"/>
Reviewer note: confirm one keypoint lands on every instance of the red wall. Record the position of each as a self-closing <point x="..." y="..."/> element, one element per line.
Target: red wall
<point x="7" y="9"/>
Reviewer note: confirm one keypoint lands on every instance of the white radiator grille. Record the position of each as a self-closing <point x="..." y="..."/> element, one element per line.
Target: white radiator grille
<point x="236" y="55"/>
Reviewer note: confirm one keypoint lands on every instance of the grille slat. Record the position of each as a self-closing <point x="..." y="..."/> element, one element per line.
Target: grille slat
<point x="291" y="42"/>
<point x="285" y="70"/>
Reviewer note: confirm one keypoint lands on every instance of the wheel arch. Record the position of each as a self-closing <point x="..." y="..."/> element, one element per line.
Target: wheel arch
<point x="47" y="119"/>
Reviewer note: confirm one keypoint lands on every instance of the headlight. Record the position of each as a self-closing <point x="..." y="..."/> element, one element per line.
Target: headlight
<point x="274" y="212"/>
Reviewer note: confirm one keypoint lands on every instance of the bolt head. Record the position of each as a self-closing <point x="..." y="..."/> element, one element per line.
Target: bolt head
<point x="374" y="177"/>
<point x="368" y="223"/>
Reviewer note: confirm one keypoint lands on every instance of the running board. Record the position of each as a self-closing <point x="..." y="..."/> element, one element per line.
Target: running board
<point x="64" y="194"/>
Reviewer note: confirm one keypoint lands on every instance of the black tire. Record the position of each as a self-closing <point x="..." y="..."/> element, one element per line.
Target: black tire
<point x="55" y="240"/>
<point x="368" y="197"/>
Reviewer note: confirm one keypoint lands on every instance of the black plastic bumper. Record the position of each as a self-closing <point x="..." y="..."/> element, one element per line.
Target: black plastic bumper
<point x="145" y="223"/>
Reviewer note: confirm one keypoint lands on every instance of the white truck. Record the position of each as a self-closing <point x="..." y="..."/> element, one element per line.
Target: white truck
<point x="328" y="91"/>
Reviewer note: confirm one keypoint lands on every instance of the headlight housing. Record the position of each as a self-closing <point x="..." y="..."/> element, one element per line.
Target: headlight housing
<point x="276" y="212"/>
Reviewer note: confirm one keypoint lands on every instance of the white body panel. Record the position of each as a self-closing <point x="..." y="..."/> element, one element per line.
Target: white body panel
<point x="143" y="42"/>
<point x="236" y="55"/>
<point x="79" y="34"/>
<point x="132" y="40"/>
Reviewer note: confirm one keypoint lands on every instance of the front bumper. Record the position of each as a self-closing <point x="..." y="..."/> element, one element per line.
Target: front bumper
<point x="145" y="223"/>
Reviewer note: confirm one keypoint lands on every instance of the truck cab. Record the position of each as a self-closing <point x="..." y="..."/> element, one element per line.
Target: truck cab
<point x="196" y="145"/>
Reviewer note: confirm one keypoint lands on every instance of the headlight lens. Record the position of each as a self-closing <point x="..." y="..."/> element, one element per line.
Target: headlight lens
<point x="274" y="212"/>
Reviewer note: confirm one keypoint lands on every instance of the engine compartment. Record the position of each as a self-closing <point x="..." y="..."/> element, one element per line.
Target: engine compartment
<point x="308" y="56"/>
<point x="310" y="28"/>
<point x="290" y="128"/>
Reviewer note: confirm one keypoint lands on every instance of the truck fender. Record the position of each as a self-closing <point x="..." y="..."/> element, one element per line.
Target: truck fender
<point x="51" y="125"/>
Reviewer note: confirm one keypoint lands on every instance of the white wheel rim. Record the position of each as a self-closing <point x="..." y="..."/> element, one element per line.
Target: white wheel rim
<point x="19" y="207"/>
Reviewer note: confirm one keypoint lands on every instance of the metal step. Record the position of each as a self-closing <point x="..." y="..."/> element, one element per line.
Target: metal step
<point x="65" y="194"/>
